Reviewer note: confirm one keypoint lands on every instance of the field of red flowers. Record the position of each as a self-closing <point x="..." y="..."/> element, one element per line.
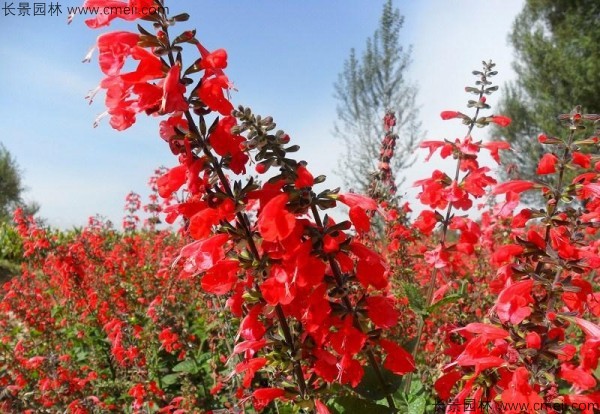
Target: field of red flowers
<point x="262" y="302"/>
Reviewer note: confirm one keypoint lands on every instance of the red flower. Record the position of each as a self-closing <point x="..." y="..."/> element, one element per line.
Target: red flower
<point x="227" y="144"/>
<point x="279" y="287"/>
<point x="432" y="146"/>
<point x="437" y="257"/>
<point x="513" y="302"/>
<point x="583" y="160"/>
<point x="398" y="360"/>
<point x="169" y="340"/>
<point x="149" y="68"/>
<point x="173" y="90"/>
<point x="263" y="396"/>
<point x="477" y="353"/>
<point x="138" y="392"/>
<point x="348" y="340"/>
<point x="521" y="219"/>
<point x="171" y="181"/>
<point x="426" y="221"/>
<point x="591" y="190"/>
<point x="201" y="255"/>
<point x="214" y="61"/>
<point x="130" y="10"/>
<point x="533" y="340"/>
<point x="476" y="182"/>
<point x="211" y="93"/>
<point x="201" y="222"/>
<point x="592" y="330"/>
<point x="501" y="120"/>
<point x="113" y="49"/>
<point x="547" y="164"/>
<point x="515" y="186"/>
<point x="561" y="242"/>
<point x="350" y="371"/>
<point x="305" y="178"/>
<point x="370" y="269"/>
<point x="494" y="147"/>
<point x="275" y="222"/>
<point x="249" y="368"/>
<point x="326" y="365"/>
<point x="577" y="376"/>
<point x="451" y="115"/>
<point x="321" y="408"/>
<point x="520" y="394"/>
<point x="251" y="328"/>
<point x="220" y="278"/>
<point x="382" y="312"/>
<point x="504" y="254"/>
<point x="359" y="205"/>
<point x="433" y="194"/>
<point x="445" y="383"/>
<point x="487" y="332"/>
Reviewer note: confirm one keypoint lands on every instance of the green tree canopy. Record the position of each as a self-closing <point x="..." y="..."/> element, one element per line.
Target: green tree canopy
<point x="369" y="86"/>
<point x="10" y="184"/>
<point x="557" y="45"/>
<point x="11" y="187"/>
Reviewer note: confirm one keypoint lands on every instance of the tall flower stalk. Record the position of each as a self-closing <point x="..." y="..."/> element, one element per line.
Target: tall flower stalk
<point x="523" y="354"/>
<point x="445" y="194"/>
<point x="309" y="297"/>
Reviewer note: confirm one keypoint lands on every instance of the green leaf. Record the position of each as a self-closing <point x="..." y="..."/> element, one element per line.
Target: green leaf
<point x="354" y="405"/>
<point x="414" y="296"/>
<point x="169" y="379"/>
<point x="416" y="388"/>
<point x="417" y="406"/>
<point x="370" y="387"/>
<point x="188" y="366"/>
<point x="444" y="301"/>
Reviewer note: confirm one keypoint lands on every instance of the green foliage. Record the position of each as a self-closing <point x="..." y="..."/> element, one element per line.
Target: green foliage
<point x="11" y="247"/>
<point x="416" y="401"/>
<point x="11" y="251"/>
<point x="416" y="300"/>
<point x="370" y="386"/>
<point x="354" y="405"/>
<point x="557" y="44"/>
<point x="369" y="86"/>
<point x="451" y="298"/>
<point x="10" y="184"/>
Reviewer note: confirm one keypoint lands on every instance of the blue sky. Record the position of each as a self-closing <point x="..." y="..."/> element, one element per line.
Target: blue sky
<point x="284" y="56"/>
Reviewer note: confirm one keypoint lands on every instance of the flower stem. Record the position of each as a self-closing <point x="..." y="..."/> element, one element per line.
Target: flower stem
<point x="243" y="221"/>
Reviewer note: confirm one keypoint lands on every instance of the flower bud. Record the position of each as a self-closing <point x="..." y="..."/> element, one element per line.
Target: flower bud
<point x="533" y="340"/>
<point x="261" y="168"/>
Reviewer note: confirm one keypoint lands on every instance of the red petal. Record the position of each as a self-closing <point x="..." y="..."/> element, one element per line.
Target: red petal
<point x="398" y="360"/>
<point x="445" y="383"/>
<point x="275" y="222"/>
<point x="220" y="278"/>
<point x="516" y="186"/>
<point x="382" y="312"/>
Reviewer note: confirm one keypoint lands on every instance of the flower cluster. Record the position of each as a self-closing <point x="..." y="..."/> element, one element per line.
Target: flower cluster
<point x="526" y="352"/>
<point x="262" y="301"/>
<point x="310" y="299"/>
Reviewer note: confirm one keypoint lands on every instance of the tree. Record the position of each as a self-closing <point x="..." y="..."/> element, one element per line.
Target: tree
<point x="557" y="44"/>
<point x="10" y="197"/>
<point x="10" y="183"/>
<point x="11" y="187"/>
<point x="366" y="90"/>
